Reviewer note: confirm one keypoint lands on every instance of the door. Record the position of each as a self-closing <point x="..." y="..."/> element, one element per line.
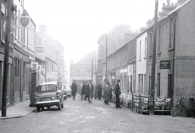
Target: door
<point x="170" y="86"/>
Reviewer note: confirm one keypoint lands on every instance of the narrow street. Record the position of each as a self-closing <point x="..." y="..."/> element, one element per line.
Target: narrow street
<point x="82" y="117"/>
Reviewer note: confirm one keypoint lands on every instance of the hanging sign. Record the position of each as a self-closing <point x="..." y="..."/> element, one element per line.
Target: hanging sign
<point x="24" y="21"/>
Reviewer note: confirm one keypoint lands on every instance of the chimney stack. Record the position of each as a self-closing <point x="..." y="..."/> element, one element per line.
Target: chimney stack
<point x="168" y="2"/>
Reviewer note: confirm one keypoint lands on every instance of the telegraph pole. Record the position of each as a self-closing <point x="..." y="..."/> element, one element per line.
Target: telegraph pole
<point x="92" y="71"/>
<point x="6" y="58"/>
<point x="153" y="59"/>
<point x="106" y="59"/>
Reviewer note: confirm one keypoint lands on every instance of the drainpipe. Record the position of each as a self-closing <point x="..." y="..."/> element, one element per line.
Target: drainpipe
<point x="173" y="60"/>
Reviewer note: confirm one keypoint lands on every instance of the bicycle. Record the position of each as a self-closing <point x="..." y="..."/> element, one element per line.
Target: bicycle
<point x="180" y="106"/>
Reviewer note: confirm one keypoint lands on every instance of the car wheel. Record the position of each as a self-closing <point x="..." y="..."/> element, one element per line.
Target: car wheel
<point x="59" y="106"/>
<point x="38" y="109"/>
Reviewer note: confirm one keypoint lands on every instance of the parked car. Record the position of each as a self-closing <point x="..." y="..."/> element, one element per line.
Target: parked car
<point x="68" y="90"/>
<point x="48" y="94"/>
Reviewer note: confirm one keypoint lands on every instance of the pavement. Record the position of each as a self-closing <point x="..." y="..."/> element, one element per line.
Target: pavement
<point x="18" y="110"/>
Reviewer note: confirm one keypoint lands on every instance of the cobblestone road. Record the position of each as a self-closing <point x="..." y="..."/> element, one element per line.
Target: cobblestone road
<point x="82" y="117"/>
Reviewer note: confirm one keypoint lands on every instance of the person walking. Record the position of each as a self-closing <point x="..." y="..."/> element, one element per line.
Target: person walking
<point x="91" y="89"/>
<point x="117" y="93"/>
<point x="96" y="91"/>
<point x="107" y="90"/>
<point x="83" y="90"/>
<point x="88" y="91"/>
<point x="99" y="95"/>
<point x="74" y="89"/>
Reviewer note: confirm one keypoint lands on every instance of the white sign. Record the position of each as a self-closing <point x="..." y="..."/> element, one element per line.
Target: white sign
<point x="43" y="71"/>
<point x="123" y="71"/>
<point x="34" y="65"/>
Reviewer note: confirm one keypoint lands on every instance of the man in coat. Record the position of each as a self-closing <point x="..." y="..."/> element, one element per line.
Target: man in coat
<point x="99" y="88"/>
<point x="83" y="90"/>
<point x="91" y="89"/>
<point x="107" y="90"/>
<point x="117" y="93"/>
<point x="74" y="89"/>
<point x="88" y="92"/>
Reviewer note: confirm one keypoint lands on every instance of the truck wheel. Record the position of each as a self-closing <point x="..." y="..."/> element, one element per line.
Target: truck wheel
<point x="38" y="109"/>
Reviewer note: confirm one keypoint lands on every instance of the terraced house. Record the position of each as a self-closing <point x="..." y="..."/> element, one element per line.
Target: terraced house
<point x="175" y="56"/>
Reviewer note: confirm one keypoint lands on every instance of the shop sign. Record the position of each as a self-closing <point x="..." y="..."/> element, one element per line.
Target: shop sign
<point x="34" y="65"/>
<point x="123" y="71"/>
<point x="164" y="64"/>
<point x="39" y="49"/>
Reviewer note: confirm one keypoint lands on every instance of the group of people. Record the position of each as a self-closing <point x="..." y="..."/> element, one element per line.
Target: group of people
<point x="87" y="92"/>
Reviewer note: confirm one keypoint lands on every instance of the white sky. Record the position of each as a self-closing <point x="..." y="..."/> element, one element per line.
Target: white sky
<point x="78" y="24"/>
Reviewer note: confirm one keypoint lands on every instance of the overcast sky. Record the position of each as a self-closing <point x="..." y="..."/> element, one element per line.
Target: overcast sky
<point x="78" y="24"/>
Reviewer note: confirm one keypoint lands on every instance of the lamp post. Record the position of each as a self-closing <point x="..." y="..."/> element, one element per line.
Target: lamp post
<point x="6" y="58"/>
<point x="153" y="59"/>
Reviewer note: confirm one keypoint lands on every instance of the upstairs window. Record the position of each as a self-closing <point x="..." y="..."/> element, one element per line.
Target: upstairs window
<point x="140" y="45"/>
<point x="171" y="33"/>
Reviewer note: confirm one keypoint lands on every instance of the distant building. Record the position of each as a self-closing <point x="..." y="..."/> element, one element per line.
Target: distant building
<point x="50" y="55"/>
<point x="82" y="70"/>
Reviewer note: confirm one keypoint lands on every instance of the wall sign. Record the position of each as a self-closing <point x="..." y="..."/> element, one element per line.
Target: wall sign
<point x="164" y="64"/>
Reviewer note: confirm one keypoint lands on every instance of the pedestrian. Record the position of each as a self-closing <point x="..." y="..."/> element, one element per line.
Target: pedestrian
<point x="83" y="90"/>
<point x="110" y="92"/>
<point x="99" y="95"/>
<point x="117" y="93"/>
<point x="107" y="90"/>
<point x="88" y="91"/>
<point x="96" y="90"/>
<point x="91" y="89"/>
<point x="74" y="89"/>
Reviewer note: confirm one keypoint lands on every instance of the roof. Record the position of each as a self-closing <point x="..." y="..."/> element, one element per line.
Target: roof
<point x="174" y="10"/>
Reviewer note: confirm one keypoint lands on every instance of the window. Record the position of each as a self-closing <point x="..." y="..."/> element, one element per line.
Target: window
<point x="145" y="47"/>
<point x="140" y="45"/>
<point x="149" y="85"/>
<point x="171" y="33"/>
<point x="151" y="42"/>
<point x="141" y="83"/>
<point x="19" y="30"/>
<point x="159" y="37"/>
